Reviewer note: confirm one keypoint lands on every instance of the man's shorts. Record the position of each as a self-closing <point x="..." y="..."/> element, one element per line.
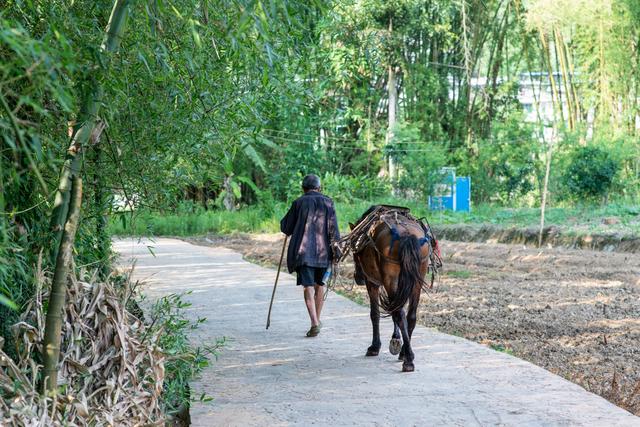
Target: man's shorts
<point x="309" y="276"/>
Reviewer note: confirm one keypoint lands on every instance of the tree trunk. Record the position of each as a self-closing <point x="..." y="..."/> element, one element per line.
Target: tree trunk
<point x="465" y="91"/>
<point x="495" y="65"/>
<point x="227" y="201"/>
<point x="545" y="188"/>
<point x="68" y="202"/>
<point x="392" y="91"/>
<point x="393" y="102"/>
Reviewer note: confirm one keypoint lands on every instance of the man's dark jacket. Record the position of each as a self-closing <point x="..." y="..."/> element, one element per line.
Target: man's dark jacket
<point x="312" y="224"/>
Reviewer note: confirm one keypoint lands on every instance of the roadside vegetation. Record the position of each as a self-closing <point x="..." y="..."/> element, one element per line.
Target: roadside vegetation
<point x="121" y="364"/>
<point x="193" y="220"/>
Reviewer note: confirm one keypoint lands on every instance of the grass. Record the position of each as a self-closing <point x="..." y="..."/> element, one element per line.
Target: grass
<point x="577" y="220"/>
<point x="459" y="274"/>
<point x="502" y="349"/>
<point x="250" y="220"/>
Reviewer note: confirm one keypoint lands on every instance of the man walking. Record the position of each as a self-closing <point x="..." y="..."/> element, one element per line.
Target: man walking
<point x="313" y="226"/>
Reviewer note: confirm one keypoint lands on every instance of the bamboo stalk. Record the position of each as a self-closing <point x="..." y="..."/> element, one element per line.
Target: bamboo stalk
<point x="71" y="168"/>
<point x="68" y="203"/>
<point x="561" y="55"/>
<point x="493" y="70"/>
<point x="574" y="92"/>
<point x="85" y="124"/>
<point x="3" y="223"/>
<point x="51" y="343"/>
<point x="554" y="88"/>
<point x="101" y="200"/>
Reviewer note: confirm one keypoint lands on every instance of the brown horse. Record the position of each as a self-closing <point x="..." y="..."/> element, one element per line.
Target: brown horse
<point x="392" y="261"/>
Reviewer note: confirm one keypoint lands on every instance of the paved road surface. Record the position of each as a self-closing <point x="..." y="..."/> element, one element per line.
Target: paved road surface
<point x="279" y="377"/>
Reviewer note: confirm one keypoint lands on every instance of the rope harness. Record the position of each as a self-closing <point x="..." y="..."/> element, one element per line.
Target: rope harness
<point x="394" y="217"/>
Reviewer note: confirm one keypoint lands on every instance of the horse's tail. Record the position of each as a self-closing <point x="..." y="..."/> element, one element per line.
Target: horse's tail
<point x="409" y="277"/>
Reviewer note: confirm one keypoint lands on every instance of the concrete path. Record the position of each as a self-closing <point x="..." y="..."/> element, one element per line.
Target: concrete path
<point x="279" y="377"/>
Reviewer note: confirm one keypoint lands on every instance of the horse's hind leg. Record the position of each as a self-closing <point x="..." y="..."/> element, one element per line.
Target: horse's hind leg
<point x="401" y="319"/>
<point x="412" y="312"/>
<point x="374" y="294"/>
<point x="395" y="345"/>
<point x="412" y="315"/>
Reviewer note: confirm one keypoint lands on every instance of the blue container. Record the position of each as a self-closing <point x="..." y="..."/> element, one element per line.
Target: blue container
<point x="453" y="193"/>
<point x="326" y="276"/>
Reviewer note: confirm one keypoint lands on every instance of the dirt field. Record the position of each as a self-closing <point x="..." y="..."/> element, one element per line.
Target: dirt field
<point x="575" y="313"/>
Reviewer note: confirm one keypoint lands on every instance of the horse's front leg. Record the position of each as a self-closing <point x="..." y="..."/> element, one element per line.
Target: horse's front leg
<point x="400" y="318"/>
<point x="374" y="294"/>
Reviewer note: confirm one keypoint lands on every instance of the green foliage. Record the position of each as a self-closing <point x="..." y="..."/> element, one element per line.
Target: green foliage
<point x="502" y="349"/>
<point x="7" y="302"/>
<point x="15" y="289"/>
<point x="590" y="173"/>
<point x="624" y="150"/>
<point x="585" y="218"/>
<point x="184" y="97"/>
<point x="345" y="188"/>
<point x="252" y="219"/>
<point x="507" y="165"/>
<point x="421" y="161"/>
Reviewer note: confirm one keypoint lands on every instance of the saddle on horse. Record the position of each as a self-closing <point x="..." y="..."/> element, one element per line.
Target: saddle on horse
<point x="395" y="218"/>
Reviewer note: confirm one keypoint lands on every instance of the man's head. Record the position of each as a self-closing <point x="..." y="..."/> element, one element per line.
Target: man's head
<point x="311" y="182"/>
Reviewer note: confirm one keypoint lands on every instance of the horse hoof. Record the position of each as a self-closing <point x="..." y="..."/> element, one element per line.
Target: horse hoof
<point x="394" y="346"/>
<point x="372" y="352"/>
<point x="408" y="367"/>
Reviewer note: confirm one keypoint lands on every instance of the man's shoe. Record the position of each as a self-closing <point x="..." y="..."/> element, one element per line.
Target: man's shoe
<point x="314" y="331"/>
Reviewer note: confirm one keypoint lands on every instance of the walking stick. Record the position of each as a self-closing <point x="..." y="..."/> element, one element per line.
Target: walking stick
<point x="273" y="294"/>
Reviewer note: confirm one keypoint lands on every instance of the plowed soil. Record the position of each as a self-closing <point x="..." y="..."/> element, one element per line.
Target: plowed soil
<point x="575" y="313"/>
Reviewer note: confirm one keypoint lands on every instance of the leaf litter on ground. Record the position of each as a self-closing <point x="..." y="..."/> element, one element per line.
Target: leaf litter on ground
<point x="112" y="368"/>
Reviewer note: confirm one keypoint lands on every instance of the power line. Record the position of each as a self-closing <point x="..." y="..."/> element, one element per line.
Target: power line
<point x="353" y="148"/>
<point x="336" y="138"/>
<point x="395" y="143"/>
<point x="299" y="141"/>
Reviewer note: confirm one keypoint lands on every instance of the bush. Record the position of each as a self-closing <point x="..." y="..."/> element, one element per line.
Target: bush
<point x="508" y="164"/>
<point x="590" y="173"/>
<point x="345" y="188"/>
<point x="184" y="360"/>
